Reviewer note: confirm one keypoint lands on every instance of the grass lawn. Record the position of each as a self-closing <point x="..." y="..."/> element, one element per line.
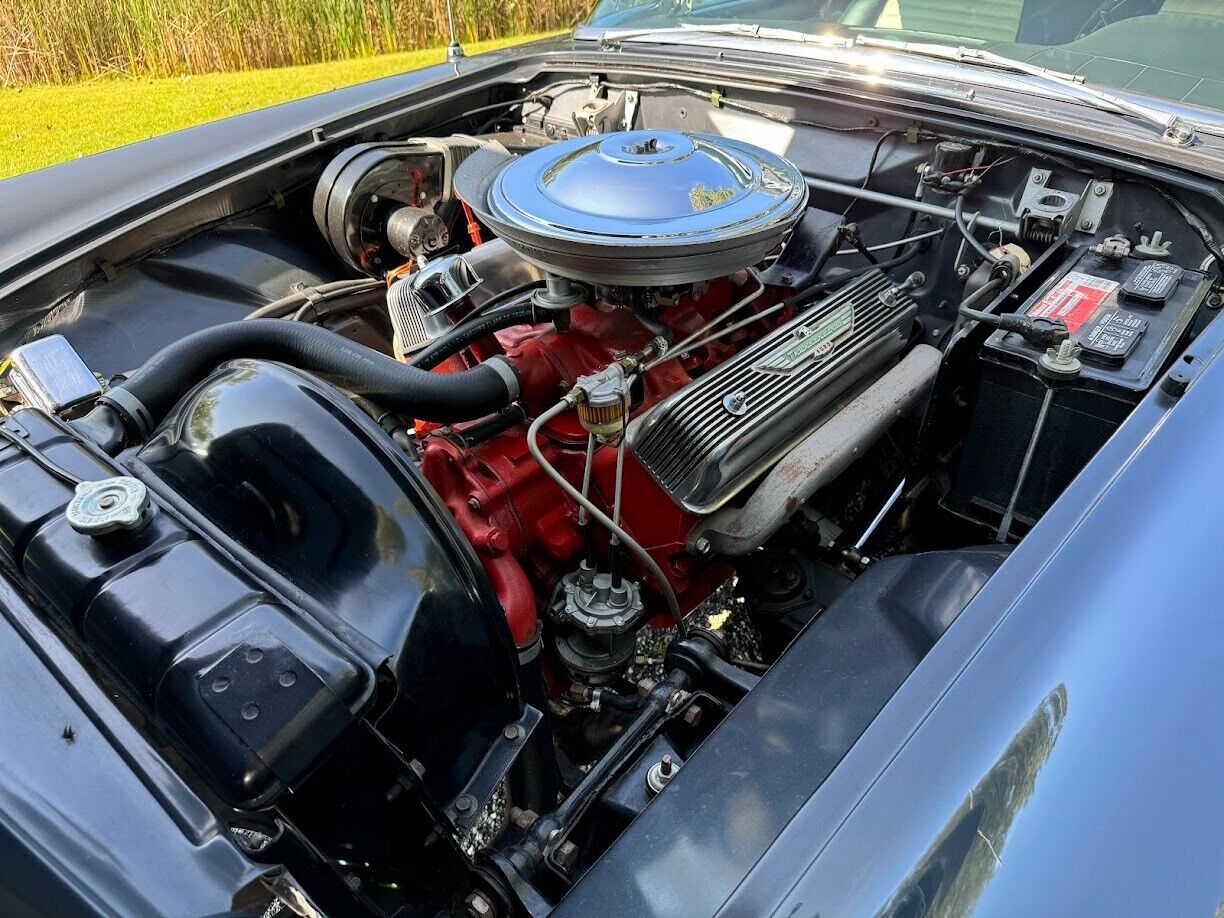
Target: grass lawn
<point x="44" y="125"/>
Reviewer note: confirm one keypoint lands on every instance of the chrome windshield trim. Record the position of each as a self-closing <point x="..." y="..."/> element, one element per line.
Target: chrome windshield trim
<point x="875" y="63"/>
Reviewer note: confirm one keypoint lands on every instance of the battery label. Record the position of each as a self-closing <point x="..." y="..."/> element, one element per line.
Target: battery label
<point x="1153" y="282"/>
<point x="1074" y="299"/>
<point x="1113" y="335"/>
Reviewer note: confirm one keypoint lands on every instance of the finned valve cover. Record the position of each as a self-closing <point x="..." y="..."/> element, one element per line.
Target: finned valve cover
<point x="713" y="438"/>
<point x="638" y="208"/>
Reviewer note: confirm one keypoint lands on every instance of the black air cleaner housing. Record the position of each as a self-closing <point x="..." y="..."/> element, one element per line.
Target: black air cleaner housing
<point x="637" y="208"/>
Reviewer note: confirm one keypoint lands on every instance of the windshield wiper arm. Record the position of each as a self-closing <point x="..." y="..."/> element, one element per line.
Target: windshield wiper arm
<point x="1174" y="128"/>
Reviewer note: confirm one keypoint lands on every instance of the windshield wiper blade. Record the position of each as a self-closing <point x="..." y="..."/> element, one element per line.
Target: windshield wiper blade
<point x="610" y="37"/>
<point x="962" y="55"/>
<point x="1174" y="128"/>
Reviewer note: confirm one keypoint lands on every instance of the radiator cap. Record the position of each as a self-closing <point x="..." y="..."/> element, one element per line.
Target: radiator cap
<point x="638" y="208"/>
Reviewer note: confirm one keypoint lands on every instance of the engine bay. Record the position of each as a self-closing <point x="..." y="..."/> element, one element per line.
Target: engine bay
<point x="438" y="515"/>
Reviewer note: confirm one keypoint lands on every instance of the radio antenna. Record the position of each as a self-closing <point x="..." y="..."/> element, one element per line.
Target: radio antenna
<point x="454" y="51"/>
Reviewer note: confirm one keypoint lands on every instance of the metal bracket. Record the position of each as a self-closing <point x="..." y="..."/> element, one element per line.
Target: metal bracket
<point x="602" y="114"/>
<point x="585" y="110"/>
<point x="1096" y="198"/>
<point x="1045" y="211"/>
<point x="1048" y="209"/>
<point x="465" y="810"/>
<point x="1179" y="132"/>
<point x="631" y="105"/>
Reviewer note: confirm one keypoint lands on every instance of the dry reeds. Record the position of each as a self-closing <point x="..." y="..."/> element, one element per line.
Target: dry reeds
<point x="63" y="41"/>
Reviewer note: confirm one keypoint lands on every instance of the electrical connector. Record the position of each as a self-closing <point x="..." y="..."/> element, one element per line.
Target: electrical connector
<point x="1037" y="331"/>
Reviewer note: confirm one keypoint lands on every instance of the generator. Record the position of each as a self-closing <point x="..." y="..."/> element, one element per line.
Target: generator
<point x="1040" y="414"/>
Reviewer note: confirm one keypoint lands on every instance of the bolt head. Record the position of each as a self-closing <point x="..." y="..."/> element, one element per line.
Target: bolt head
<point x="477" y="906"/>
<point x="1099" y="190"/>
<point x="735" y="403"/>
<point x="513" y="732"/>
<point x="465" y="803"/>
<point x="567" y="855"/>
<point x="497" y="541"/>
<point x="692" y="716"/>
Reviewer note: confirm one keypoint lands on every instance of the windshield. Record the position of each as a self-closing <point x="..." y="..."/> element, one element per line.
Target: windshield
<point x="1169" y="49"/>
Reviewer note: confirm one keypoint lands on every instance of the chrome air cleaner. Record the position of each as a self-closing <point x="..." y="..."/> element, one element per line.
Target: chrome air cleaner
<point x="638" y="208"/>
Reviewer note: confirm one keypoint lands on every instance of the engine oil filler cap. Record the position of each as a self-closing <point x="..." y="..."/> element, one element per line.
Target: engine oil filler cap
<point x="638" y="208"/>
<point x="110" y="505"/>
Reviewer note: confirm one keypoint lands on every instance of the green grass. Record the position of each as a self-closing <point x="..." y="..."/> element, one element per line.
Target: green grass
<point x="45" y="125"/>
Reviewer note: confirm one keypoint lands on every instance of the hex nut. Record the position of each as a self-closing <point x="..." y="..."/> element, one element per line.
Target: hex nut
<point x="523" y="819"/>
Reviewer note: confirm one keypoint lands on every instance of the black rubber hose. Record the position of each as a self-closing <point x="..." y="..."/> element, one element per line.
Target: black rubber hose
<point x="469" y="333"/>
<point x="501" y="298"/>
<point x="153" y="389"/>
<point x="958" y="216"/>
<point x="614" y="701"/>
<point x="910" y="222"/>
<point x="487" y="428"/>
<point x="968" y="307"/>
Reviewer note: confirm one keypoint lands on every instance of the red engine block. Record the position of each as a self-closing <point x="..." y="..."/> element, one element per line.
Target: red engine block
<point x="523" y="526"/>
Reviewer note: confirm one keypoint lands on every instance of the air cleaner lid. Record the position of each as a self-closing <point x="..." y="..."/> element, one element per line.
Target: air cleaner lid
<point x="638" y="207"/>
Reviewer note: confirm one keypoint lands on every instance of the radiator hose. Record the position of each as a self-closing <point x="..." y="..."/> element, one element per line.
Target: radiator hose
<point x="144" y="398"/>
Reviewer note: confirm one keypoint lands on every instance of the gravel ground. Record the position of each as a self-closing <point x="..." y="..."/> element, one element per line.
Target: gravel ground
<point x="723" y="610"/>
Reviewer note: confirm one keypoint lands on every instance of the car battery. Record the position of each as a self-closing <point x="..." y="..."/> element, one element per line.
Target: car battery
<point x="1033" y="430"/>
